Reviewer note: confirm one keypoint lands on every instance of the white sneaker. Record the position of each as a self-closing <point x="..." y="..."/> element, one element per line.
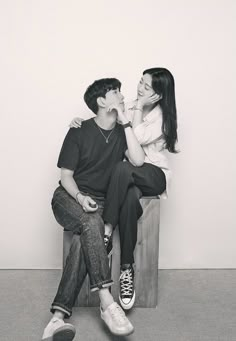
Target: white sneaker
<point x="115" y="319"/>
<point x="58" y="330"/>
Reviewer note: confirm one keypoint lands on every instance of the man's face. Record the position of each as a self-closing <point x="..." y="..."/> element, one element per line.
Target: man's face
<point x="115" y="97"/>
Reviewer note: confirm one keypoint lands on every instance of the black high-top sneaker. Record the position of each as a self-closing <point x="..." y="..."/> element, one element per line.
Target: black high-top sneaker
<point x="127" y="292"/>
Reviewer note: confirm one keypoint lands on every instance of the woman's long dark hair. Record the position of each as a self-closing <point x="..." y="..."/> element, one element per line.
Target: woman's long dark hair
<point x="163" y="84"/>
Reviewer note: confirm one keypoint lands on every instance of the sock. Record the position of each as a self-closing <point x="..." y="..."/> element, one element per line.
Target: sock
<point x="126" y="266"/>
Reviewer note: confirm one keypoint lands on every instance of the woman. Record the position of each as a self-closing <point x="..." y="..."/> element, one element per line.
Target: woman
<point x="154" y="122"/>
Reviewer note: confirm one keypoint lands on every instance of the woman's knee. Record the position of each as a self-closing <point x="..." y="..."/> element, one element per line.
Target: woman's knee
<point x="133" y="196"/>
<point x="123" y="168"/>
<point x="132" y="203"/>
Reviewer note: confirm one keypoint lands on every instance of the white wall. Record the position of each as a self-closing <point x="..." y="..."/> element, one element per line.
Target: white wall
<point x="52" y="49"/>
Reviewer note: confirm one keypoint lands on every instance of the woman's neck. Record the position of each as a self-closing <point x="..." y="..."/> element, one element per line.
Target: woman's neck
<point x="147" y="109"/>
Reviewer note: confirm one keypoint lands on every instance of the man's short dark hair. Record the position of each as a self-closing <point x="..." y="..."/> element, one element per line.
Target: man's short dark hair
<point x="99" y="88"/>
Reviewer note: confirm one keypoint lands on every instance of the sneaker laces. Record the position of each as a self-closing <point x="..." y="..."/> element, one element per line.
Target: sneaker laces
<point x="126" y="282"/>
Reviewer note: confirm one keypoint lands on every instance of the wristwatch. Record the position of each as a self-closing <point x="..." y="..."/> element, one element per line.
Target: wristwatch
<point x="126" y="125"/>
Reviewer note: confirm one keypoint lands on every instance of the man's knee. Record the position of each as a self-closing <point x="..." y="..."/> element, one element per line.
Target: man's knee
<point x="93" y="222"/>
<point x="75" y="243"/>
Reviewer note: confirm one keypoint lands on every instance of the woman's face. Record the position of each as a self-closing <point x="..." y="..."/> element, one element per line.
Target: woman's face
<point x="145" y="86"/>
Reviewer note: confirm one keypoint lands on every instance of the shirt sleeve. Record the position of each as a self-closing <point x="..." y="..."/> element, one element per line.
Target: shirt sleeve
<point x="69" y="155"/>
<point x="148" y="132"/>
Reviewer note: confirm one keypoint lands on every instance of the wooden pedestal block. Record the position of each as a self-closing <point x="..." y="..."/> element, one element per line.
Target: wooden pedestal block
<point x="145" y="255"/>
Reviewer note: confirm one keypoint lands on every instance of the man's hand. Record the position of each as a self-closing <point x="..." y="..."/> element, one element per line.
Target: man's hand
<point x="87" y="203"/>
<point x="121" y="117"/>
<point x="147" y="100"/>
<point x="76" y="122"/>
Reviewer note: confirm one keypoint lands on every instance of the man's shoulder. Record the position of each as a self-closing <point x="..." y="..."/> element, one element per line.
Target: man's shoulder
<point x="87" y="123"/>
<point x="85" y="126"/>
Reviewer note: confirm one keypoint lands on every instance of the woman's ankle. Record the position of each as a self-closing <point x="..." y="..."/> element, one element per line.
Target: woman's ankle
<point x="108" y="229"/>
<point x="126" y="266"/>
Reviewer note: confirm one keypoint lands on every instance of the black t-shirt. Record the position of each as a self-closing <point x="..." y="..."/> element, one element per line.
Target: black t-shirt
<point x="86" y="152"/>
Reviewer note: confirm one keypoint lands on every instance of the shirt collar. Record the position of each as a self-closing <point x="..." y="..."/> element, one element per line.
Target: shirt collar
<point x="154" y="114"/>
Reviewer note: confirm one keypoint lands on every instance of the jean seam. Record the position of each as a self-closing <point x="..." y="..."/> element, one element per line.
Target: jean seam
<point x="102" y="284"/>
<point x="61" y="307"/>
<point x="68" y="210"/>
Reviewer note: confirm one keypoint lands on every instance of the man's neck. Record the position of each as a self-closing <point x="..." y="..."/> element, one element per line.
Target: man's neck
<point x="105" y="120"/>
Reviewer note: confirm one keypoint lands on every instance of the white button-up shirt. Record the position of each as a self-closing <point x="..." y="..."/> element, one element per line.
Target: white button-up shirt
<point x="149" y="135"/>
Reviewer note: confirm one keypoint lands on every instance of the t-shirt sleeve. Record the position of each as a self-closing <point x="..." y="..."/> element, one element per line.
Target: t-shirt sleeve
<point x="69" y="155"/>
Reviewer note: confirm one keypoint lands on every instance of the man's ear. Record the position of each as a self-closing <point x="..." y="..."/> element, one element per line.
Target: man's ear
<point x="101" y="102"/>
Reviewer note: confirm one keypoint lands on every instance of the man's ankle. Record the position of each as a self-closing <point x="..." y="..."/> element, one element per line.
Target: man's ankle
<point x="106" y="298"/>
<point x="59" y="314"/>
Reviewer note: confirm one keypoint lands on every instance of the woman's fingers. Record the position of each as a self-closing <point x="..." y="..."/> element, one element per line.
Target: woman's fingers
<point x="76" y="122"/>
<point x="154" y="98"/>
<point x="74" y="125"/>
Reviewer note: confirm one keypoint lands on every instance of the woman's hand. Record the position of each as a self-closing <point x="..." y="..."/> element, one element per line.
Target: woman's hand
<point x="147" y="100"/>
<point x="76" y="122"/>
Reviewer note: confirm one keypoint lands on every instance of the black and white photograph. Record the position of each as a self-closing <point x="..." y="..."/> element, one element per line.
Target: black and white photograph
<point x="118" y="137"/>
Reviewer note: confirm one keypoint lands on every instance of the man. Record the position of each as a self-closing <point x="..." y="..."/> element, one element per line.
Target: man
<point x="87" y="158"/>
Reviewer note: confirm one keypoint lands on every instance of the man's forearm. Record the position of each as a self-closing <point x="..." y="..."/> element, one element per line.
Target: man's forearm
<point x="70" y="185"/>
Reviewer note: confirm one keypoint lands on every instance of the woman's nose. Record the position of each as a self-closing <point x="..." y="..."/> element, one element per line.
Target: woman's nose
<point x="140" y="88"/>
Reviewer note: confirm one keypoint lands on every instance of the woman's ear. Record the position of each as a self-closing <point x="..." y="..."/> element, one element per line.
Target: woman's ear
<point x="101" y="102"/>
